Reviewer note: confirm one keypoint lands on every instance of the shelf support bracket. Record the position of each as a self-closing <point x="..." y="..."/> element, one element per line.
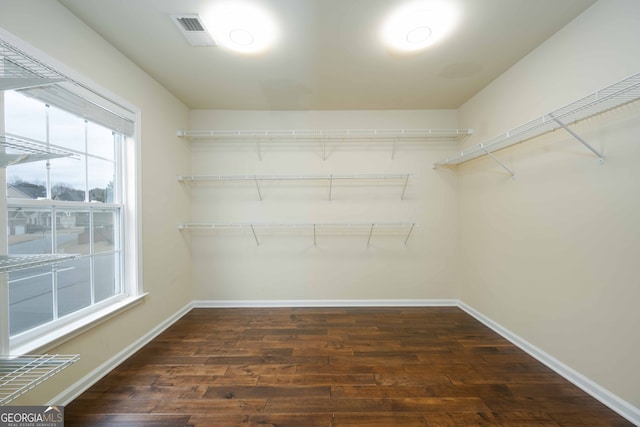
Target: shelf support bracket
<point x="393" y="148"/>
<point x="370" y="233"/>
<point x="409" y="234"/>
<point x="330" y="186"/>
<point x="496" y="160"/>
<point x="404" y="189"/>
<point x="579" y="138"/>
<point x="254" y="235"/>
<point x="314" y="235"/>
<point x="255" y="178"/>
<point x="324" y="149"/>
<point x="259" y="149"/>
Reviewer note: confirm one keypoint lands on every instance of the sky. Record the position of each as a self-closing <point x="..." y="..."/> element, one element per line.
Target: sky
<point x="26" y="117"/>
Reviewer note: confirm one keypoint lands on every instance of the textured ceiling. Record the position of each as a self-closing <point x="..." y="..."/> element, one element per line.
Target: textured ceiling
<point x="329" y="55"/>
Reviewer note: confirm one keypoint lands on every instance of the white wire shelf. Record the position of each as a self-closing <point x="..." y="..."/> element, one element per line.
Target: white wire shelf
<point x="401" y="178"/>
<point x="377" y="177"/>
<point x="325" y="134"/>
<point x="30" y="151"/>
<point x="10" y="263"/>
<point x="325" y="137"/>
<point x="12" y="83"/>
<point x="313" y="227"/>
<point x="22" y="373"/>
<point x="613" y="96"/>
<point x="19" y="70"/>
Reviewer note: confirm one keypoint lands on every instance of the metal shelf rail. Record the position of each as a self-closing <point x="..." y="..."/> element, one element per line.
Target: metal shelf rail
<point x="22" y="373"/>
<point x="315" y="227"/>
<point x="402" y="178"/>
<point x="327" y="135"/>
<point x="610" y="97"/>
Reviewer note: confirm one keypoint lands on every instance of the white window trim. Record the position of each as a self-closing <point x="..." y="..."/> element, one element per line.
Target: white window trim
<point x="60" y="333"/>
<point x="132" y="279"/>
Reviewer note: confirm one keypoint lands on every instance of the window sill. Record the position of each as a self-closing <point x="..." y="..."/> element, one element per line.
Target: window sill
<point x="59" y="336"/>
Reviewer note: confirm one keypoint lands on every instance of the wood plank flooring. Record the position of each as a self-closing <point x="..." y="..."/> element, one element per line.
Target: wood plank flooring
<point x="433" y="366"/>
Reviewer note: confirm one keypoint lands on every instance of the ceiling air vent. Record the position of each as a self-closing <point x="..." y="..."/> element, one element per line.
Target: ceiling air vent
<point x="193" y="29"/>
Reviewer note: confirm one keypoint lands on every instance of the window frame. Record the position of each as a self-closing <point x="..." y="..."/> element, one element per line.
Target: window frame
<point x="128" y="168"/>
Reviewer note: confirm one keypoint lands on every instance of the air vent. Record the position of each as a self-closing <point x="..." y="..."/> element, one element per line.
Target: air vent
<point x="193" y="29"/>
<point x="191" y="24"/>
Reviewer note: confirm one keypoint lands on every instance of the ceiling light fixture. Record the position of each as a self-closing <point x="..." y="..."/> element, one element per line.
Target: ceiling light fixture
<point x="241" y="37"/>
<point x="418" y="25"/>
<point x="242" y="27"/>
<point x="418" y="35"/>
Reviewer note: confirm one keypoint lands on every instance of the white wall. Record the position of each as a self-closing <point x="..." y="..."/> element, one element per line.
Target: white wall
<point x="230" y="266"/>
<point x="49" y="27"/>
<point x="552" y="255"/>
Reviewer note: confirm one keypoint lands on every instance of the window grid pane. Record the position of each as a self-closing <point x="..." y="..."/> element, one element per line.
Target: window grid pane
<point x="30" y="303"/>
<point x="72" y="231"/>
<point x="29" y="231"/>
<point x="73" y="286"/>
<point x="42" y="295"/>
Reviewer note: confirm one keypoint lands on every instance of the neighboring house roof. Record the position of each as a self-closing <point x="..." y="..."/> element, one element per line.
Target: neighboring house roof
<point x="24" y="191"/>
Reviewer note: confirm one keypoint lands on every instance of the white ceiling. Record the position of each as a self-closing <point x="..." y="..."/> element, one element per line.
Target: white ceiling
<point x="329" y="55"/>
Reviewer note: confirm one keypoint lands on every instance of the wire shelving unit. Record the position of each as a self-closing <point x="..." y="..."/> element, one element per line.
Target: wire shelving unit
<point x="10" y="263"/>
<point x="402" y="179"/>
<point x="20" y="70"/>
<point x="608" y="98"/>
<point x="29" y="151"/>
<point x="325" y="136"/>
<point x="313" y="228"/>
<point x="22" y="373"/>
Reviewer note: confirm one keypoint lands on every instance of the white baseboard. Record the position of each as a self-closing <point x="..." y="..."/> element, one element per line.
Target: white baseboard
<point x="600" y="393"/>
<point x="94" y="376"/>
<point x="326" y="303"/>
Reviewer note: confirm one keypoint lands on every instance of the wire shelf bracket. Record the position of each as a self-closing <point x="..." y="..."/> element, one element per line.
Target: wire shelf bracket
<point x="579" y="138"/>
<point x="490" y="154"/>
<point x="608" y="98"/>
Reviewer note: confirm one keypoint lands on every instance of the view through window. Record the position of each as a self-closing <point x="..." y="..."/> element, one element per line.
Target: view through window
<point x="65" y="205"/>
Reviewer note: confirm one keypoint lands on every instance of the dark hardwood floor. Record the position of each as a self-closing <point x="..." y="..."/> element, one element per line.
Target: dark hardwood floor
<point x="434" y="366"/>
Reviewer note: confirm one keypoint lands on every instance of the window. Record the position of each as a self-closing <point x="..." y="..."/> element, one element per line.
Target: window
<point x="80" y="203"/>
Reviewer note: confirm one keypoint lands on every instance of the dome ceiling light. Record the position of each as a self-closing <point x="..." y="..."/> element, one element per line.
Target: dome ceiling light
<point x="241" y="27"/>
<point x="418" y="25"/>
